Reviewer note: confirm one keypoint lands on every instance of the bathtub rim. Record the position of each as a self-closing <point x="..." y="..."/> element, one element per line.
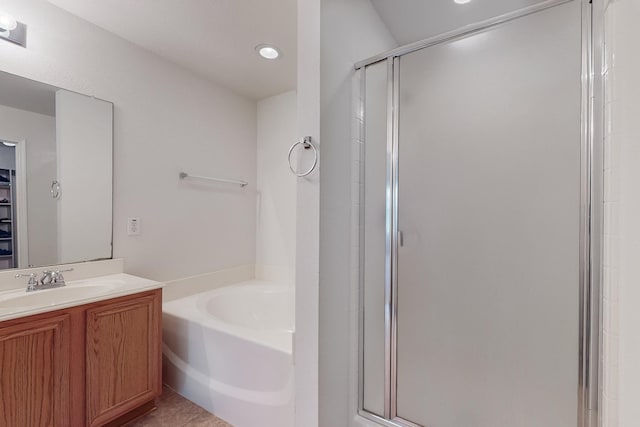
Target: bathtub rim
<point x="189" y="308"/>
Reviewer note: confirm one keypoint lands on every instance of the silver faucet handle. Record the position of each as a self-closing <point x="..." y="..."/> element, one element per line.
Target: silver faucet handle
<point x="47" y="277"/>
<point x="58" y="277"/>
<point x="32" y="278"/>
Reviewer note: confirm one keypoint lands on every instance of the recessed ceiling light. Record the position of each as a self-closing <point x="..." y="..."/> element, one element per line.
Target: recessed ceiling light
<point x="462" y="1"/>
<point x="267" y="51"/>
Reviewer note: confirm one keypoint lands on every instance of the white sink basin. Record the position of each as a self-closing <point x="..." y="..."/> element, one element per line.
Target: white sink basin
<point x="23" y="300"/>
<point x="19" y="303"/>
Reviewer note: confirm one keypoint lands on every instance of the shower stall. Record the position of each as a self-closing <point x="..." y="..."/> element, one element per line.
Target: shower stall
<point x="479" y="225"/>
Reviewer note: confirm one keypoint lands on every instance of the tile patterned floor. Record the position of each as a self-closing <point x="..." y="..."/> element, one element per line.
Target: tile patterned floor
<point x="176" y="411"/>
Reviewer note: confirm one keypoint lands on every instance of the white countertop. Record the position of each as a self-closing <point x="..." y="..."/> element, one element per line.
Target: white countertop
<point x="19" y="303"/>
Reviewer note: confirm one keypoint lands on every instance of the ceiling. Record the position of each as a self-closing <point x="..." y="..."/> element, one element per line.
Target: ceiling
<point x="213" y="38"/>
<point x="413" y="20"/>
<point x="29" y="95"/>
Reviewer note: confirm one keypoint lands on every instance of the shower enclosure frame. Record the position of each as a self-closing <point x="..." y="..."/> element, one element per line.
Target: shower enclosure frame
<point x="591" y="213"/>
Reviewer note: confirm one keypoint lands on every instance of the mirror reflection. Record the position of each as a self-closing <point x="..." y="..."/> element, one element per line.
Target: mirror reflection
<point x="55" y="175"/>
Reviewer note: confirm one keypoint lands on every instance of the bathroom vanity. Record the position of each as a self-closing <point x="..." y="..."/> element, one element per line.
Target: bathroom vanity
<point x="85" y="352"/>
<point x="90" y="358"/>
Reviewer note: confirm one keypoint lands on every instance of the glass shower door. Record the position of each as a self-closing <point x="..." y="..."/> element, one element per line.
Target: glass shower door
<point x="487" y="284"/>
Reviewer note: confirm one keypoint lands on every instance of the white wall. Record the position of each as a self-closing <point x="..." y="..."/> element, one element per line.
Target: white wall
<point x="276" y="205"/>
<point x="40" y="133"/>
<point x="621" y="316"/>
<point x="350" y="31"/>
<point x="166" y="120"/>
<point x="307" y="219"/>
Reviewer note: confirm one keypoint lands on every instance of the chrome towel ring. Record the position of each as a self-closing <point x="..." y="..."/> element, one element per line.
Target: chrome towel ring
<point x="307" y="144"/>
<point x="55" y="189"/>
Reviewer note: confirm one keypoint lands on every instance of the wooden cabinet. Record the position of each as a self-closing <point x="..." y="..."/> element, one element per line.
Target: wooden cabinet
<point x="34" y="367"/>
<point x="88" y="365"/>
<point x="123" y="357"/>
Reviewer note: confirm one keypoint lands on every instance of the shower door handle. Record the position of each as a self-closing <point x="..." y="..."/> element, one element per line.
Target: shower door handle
<point x="400" y="238"/>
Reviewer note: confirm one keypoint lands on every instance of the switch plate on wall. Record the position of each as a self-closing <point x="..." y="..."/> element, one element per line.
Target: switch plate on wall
<point x="133" y="226"/>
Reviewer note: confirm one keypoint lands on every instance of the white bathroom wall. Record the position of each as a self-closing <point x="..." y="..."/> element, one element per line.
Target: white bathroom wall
<point x="166" y="119"/>
<point x="276" y="185"/>
<point x="621" y="317"/>
<point x="351" y="31"/>
<point x="307" y="220"/>
<point x="39" y="131"/>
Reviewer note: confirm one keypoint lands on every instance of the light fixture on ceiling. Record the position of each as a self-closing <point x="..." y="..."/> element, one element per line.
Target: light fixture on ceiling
<point x="461" y="1"/>
<point x="8" y="144"/>
<point x="267" y="51"/>
<point x="12" y="30"/>
<point x="7" y="23"/>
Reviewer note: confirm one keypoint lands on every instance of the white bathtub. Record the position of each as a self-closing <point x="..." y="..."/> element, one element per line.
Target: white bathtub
<point x="229" y="351"/>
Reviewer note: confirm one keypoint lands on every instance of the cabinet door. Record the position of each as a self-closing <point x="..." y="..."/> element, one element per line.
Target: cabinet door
<point x="123" y="357"/>
<point x="34" y="373"/>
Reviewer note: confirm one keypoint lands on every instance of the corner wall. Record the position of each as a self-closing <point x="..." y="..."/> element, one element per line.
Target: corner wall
<point x="276" y="186"/>
<point x="350" y="31"/>
<point x="307" y="219"/>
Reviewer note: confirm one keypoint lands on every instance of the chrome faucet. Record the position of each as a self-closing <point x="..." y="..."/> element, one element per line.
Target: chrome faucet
<point x="50" y="279"/>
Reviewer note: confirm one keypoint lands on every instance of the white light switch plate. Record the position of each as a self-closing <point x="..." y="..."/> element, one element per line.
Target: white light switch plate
<point x="133" y="226"/>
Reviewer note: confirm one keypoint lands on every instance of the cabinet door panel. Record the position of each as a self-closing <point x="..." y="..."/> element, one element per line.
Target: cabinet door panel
<point x="123" y="357"/>
<point x="34" y="366"/>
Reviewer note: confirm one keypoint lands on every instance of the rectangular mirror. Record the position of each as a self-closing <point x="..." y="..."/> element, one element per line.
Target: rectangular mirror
<point x="56" y="171"/>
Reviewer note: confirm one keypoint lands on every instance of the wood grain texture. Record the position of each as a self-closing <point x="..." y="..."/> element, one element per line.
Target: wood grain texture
<point x="123" y="358"/>
<point x="77" y="369"/>
<point x="44" y="372"/>
<point x="34" y="367"/>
